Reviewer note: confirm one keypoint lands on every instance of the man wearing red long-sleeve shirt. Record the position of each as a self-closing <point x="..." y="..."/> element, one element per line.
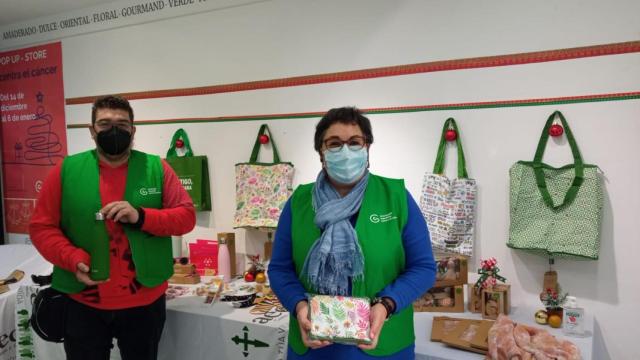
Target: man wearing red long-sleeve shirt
<point x="143" y="204"/>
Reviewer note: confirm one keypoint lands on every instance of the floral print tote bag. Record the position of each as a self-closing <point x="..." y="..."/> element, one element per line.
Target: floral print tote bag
<point x="262" y="189"/>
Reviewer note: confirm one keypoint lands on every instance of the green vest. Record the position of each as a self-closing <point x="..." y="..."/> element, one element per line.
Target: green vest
<point x="80" y="180"/>
<point x="382" y="216"/>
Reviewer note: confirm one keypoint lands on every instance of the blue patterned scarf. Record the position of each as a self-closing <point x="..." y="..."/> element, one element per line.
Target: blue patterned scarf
<point x="336" y="255"/>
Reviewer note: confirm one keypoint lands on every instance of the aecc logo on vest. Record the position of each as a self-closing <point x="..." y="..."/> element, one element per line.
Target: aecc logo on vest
<point x="375" y="218"/>
<point x="149" y="191"/>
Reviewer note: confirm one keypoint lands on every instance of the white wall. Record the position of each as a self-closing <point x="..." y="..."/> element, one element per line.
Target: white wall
<point x="285" y="38"/>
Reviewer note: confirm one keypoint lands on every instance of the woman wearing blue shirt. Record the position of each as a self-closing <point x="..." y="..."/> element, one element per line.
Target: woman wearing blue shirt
<point x="351" y="233"/>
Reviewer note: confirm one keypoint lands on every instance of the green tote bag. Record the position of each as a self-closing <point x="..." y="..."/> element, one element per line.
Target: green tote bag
<point x="556" y="212"/>
<point x="193" y="171"/>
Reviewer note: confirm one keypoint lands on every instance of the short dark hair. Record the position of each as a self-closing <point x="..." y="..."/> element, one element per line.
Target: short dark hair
<point x="344" y="115"/>
<point x="110" y="102"/>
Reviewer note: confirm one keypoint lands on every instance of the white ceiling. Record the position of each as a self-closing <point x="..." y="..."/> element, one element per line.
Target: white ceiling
<point x="15" y="11"/>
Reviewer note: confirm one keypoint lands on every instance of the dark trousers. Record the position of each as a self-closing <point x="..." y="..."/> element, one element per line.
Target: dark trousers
<point x="90" y="332"/>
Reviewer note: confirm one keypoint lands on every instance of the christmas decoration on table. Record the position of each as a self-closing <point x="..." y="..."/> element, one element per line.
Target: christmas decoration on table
<point x="541" y="317"/>
<point x="339" y="319"/>
<point x="264" y="139"/>
<point x="256" y="271"/>
<point x="489" y="274"/>
<point x="487" y="296"/>
<point x="553" y="300"/>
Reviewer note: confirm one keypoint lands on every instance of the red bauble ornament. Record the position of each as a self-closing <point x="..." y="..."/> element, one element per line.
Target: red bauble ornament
<point x="556" y="130"/>
<point x="450" y="135"/>
<point x="264" y="139"/>
<point x="179" y="143"/>
<point x="248" y="277"/>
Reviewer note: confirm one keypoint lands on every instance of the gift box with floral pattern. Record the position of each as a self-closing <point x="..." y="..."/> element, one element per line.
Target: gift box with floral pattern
<point x="339" y="319"/>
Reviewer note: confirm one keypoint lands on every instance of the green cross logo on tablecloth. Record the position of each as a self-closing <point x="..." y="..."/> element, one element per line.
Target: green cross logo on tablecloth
<point x="246" y="342"/>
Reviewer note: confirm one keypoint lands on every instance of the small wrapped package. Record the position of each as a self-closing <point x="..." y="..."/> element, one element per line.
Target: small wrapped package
<point x="339" y="319"/>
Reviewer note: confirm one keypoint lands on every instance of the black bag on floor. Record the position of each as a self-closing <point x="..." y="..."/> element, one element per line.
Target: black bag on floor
<point x="49" y="313"/>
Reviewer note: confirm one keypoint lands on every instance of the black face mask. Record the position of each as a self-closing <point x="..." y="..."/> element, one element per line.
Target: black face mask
<point x="114" y="141"/>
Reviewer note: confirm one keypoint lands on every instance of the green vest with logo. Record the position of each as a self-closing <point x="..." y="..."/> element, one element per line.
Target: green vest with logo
<point x="382" y="216"/>
<point x="80" y="178"/>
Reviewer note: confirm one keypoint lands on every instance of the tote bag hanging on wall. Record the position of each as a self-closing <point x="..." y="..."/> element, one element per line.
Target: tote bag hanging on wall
<point x="262" y="189"/>
<point x="556" y="212"/>
<point x="449" y="205"/>
<point x="193" y="171"/>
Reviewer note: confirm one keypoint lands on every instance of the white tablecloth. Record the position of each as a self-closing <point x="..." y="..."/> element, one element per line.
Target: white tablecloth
<point x="195" y="330"/>
<point x="16" y="257"/>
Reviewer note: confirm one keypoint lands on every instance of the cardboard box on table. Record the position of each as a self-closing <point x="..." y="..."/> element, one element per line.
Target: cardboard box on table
<point x="184" y="274"/>
<point x="451" y="270"/>
<point x="441" y="326"/>
<point x="464" y="334"/>
<point x="474" y="301"/>
<point x="443" y="299"/>
<point x="496" y="301"/>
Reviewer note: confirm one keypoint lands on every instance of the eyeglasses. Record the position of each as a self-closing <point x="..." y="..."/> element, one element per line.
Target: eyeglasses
<point x="123" y="124"/>
<point x="355" y="143"/>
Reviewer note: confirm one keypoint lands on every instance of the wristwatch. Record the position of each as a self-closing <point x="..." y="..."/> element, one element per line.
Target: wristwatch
<point x="387" y="302"/>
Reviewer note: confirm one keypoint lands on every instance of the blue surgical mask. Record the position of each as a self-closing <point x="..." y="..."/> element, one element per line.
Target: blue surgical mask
<point x="346" y="166"/>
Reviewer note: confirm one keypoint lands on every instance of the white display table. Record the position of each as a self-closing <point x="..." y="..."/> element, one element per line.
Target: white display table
<point x="16" y="257"/>
<point x="195" y="330"/>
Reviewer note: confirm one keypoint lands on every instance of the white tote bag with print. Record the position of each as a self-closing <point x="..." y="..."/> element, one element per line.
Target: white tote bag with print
<point x="449" y="205"/>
